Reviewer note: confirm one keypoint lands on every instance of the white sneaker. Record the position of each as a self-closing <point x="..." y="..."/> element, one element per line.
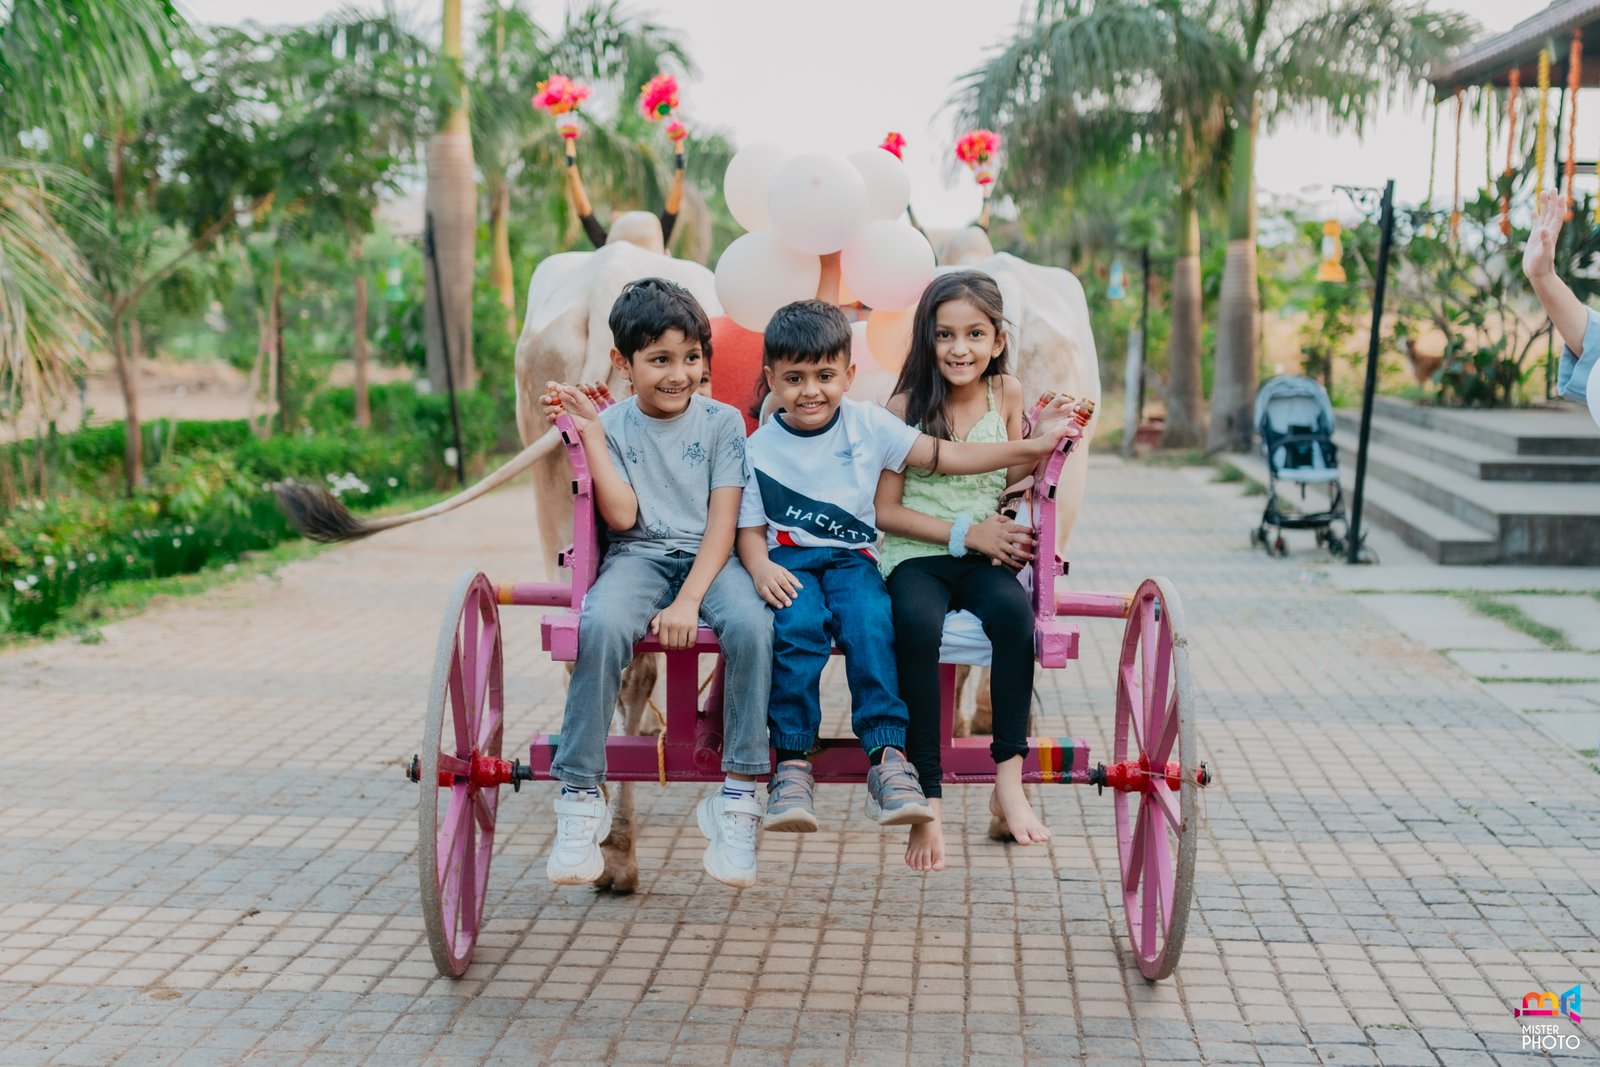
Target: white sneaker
<point x="730" y="826"/>
<point x="582" y="822"/>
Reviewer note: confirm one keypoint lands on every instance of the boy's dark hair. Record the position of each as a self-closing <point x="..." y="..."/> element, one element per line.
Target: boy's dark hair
<point x="648" y="308"/>
<point x="806" y="331"/>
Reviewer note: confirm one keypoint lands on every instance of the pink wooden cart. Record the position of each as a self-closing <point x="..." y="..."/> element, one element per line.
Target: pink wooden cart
<point x="1152" y="793"/>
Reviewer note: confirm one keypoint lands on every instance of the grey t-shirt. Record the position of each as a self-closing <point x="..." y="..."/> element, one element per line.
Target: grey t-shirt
<point x="673" y="464"/>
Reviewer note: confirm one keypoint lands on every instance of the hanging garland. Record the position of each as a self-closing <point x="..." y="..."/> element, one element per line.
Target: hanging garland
<point x="1455" y="198"/>
<point x="1433" y="153"/>
<point x="1514" y="89"/>
<point x="1574" y="73"/>
<point x="1489" y="112"/>
<point x="1542" y="129"/>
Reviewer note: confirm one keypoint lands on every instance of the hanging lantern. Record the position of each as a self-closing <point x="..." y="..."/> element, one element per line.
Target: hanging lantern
<point x="1513" y="90"/>
<point x="1331" y="269"/>
<point x="1118" y="287"/>
<point x="1542" y="129"/>
<point x="1574" y="74"/>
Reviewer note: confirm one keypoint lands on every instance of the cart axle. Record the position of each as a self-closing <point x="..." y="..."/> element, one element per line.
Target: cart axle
<point x="482" y="772"/>
<point x="1137" y="776"/>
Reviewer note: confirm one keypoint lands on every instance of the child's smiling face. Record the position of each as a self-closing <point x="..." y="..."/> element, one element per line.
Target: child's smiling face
<point x="809" y="393"/>
<point x="965" y="342"/>
<point x="665" y="373"/>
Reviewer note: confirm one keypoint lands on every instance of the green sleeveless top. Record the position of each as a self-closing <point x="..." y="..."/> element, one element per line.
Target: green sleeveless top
<point x="948" y="496"/>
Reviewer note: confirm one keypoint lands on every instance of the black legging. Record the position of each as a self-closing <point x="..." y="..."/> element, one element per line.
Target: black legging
<point x="922" y="590"/>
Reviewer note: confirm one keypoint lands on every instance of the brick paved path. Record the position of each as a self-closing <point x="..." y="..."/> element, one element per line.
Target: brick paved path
<point x="208" y="849"/>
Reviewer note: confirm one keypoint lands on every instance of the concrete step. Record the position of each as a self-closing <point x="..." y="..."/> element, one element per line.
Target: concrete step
<point x="1468" y="456"/>
<point x="1556" y="430"/>
<point x="1438" y="534"/>
<point x="1540" y="523"/>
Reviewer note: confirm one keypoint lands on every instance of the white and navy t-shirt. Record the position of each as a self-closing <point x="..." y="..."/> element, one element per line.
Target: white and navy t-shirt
<point x="815" y="488"/>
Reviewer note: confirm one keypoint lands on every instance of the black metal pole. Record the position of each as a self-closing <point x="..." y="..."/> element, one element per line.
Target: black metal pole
<point x="1144" y="326"/>
<point x="444" y="343"/>
<point x="1386" y="235"/>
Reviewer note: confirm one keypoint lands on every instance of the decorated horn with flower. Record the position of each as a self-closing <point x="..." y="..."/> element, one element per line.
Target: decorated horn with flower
<point x="658" y="98"/>
<point x="894" y="144"/>
<point x="561" y="97"/>
<point x="977" y="149"/>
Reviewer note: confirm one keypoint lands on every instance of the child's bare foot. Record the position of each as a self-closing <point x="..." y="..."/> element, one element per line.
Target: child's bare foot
<point x="925" y="848"/>
<point x="1010" y="804"/>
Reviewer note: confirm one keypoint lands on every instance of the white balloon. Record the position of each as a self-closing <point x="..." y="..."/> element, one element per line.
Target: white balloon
<point x="817" y="203"/>
<point x="759" y="273"/>
<point x="889" y="265"/>
<point x="747" y="181"/>
<point x="888" y="184"/>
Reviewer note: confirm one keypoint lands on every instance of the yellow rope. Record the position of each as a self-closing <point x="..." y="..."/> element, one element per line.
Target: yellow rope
<point x="1455" y="201"/>
<point x="661" y="738"/>
<point x="1574" y="83"/>
<point x="1433" y="154"/>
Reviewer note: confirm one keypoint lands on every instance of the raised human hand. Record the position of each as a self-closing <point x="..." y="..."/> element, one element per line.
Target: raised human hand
<point x="1055" y="418"/>
<point x="1539" y="254"/>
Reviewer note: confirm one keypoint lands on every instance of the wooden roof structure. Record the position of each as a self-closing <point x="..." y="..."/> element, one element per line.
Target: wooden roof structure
<point x="1491" y="60"/>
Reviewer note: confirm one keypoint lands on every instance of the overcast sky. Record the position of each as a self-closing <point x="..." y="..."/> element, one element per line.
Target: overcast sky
<point x="834" y="75"/>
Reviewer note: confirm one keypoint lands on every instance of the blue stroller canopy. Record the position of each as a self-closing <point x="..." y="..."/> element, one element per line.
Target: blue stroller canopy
<point x="1296" y="408"/>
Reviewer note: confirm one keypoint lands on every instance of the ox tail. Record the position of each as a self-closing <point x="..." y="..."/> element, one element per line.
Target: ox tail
<point x="321" y="516"/>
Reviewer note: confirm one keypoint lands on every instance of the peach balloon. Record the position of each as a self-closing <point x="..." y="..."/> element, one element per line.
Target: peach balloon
<point x="889" y="337"/>
<point x="860" y="350"/>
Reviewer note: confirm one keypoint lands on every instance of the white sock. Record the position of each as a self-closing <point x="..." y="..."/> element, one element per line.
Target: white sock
<point x="592" y="792"/>
<point x="734" y="789"/>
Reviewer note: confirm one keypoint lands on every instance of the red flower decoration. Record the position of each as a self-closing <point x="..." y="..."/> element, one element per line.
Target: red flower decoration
<point x="559" y="94"/>
<point x="658" y="97"/>
<point x="676" y="131"/>
<point x="977" y="146"/>
<point x="893" y="144"/>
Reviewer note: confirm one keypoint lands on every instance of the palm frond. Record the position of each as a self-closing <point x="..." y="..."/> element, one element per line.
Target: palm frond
<point x="48" y="316"/>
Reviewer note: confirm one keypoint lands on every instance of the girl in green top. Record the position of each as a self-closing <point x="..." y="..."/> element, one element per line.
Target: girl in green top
<point x="944" y="537"/>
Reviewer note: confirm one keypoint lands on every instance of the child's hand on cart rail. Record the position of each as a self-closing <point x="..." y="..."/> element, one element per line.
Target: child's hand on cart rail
<point x="1002" y="540"/>
<point x="560" y="399"/>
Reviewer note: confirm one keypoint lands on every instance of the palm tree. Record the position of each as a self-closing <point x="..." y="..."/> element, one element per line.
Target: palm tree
<point x="63" y="65"/>
<point x="452" y="207"/>
<point x="599" y="43"/>
<point x="1085" y="86"/>
<point x="1330" y="60"/>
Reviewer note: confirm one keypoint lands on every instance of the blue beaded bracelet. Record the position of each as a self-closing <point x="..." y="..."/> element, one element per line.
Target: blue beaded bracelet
<point x="958" y="535"/>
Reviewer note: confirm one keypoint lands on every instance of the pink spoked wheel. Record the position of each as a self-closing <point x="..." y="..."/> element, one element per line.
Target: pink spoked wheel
<point x="458" y="795"/>
<point x="1154" y="787"/>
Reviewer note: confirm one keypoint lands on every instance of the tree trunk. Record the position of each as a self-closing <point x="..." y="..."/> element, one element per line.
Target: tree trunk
<point x="128" y="377"/>
<point x="1184" y="429"/>
<point x="452" y="200"/>
<point x="277" y="347"/>
<point x="1239" y="310"/>
<point x="500" y="275"/>
<point x="363" y="406"/>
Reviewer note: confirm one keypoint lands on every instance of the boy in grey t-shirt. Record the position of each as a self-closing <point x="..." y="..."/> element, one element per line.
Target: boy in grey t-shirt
<point x="669" y="468"/>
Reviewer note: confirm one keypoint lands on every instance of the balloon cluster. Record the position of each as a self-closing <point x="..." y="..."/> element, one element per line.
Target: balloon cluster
<point x="561" y="97"/>
<point x="800" y="207"/>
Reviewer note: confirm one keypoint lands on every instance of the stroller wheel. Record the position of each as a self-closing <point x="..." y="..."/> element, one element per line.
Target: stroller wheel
<point x="1322" y="535"/>
<point x="1257" y="537"/>
<point x="1335" y="545"/>
<point x="1280" y="547"/>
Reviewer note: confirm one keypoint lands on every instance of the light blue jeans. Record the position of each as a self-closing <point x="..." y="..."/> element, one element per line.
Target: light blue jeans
<point x="634" y="583"/>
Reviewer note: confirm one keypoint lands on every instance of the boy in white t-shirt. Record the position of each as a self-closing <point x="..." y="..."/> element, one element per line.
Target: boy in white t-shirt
<point x="807" y="536"/>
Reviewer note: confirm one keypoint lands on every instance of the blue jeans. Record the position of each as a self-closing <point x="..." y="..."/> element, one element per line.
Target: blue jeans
<point x="634" y="583"/>
<point x="842" y="600"/>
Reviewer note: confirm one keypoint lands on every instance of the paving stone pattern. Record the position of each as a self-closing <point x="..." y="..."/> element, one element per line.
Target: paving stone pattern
<point x="209" y="849"/>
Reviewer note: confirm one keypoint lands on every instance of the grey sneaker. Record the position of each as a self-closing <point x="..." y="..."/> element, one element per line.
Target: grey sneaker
<point x="789" y="799"/>
<point x="894" y="795"/>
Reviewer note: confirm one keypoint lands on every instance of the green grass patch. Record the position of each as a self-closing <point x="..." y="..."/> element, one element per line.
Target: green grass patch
<point x="1186" y="457"/>
<point x="1488" y="605"/>
<point x="1227" y="474"/>
<point x="1255" y="489"/>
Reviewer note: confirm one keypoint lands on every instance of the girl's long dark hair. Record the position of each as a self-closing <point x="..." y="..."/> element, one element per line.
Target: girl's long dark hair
<point x="920" y="380"/>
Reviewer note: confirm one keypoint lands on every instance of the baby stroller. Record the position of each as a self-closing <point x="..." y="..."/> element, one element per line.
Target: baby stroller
<point x="1295" y="421"/>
